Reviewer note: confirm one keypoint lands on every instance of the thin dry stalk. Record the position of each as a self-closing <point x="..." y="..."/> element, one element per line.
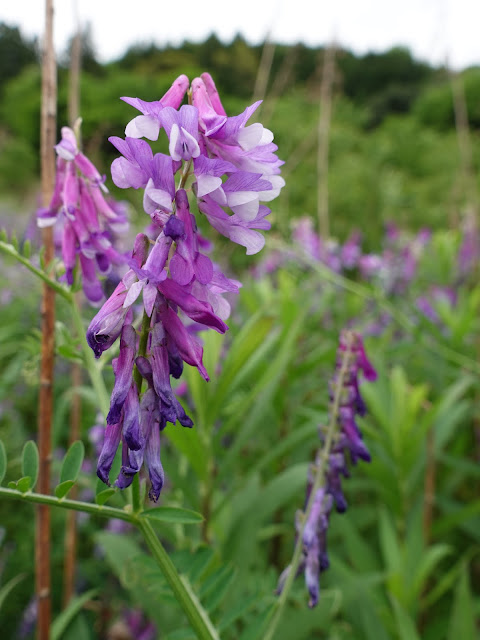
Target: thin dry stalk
<point x="328" y="76"/>
<point x="264" y="68"/>
<point x="74" y="80"/>
<point x="45" y="400"/>
<point x="464" y="144"/>
<point x="280" y="83"/>
<point x="470" y="186"/>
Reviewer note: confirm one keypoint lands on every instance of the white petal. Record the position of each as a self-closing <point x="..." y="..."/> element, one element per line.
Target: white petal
<point x="143" y="127"/>
<point x="207" y="184"/>
<point x="133" y="293"/>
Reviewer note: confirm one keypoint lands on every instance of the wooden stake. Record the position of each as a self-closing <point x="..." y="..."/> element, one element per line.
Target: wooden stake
<point x="45" y="399"/>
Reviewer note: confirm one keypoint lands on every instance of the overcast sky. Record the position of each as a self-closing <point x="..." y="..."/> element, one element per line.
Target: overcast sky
<point x="435" y="30"/>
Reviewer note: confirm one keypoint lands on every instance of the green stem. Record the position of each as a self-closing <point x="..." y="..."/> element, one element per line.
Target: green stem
<point x="137" y="506"/>
<point x="91" y="365"/>
<point x="318" y="482"/>
<point x="197" y="616"/>
<point x="10" y="250"/>
<point x="65" y="503"/>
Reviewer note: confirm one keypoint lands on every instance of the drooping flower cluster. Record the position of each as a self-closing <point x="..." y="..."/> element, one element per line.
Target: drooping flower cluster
<point x="88" y="221"/>
<point x="231" y="168"/>
<point x="346" y="404"/>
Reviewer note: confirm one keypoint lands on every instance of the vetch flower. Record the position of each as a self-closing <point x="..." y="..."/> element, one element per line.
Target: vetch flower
<point x="89" y="222"/>
<point x="180" y="289"/>
<point x="341" y="438"/>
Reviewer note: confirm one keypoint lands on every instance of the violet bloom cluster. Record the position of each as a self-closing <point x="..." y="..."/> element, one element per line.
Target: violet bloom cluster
<point x="89" y="223"/>
<point x="347" y="445"/>
<point x="229" y="169"/>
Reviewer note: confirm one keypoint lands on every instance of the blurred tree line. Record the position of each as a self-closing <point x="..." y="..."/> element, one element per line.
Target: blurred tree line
<point x="392" y="116"/>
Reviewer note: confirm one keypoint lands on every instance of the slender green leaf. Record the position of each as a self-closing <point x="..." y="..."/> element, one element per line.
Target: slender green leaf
<point x="428" y="561"/>
<point x="63" y="488"/>
<point x="30" y="461"/>
<point x="404" y="623"/>
<point x="198" y="564"/>
<point x="102" y="497"/>
<point x="79" y="629"/>
<point x="218" y="588"/>
<point x="72" y="462"/>
<point x="27" y="248"/>
<point x="3" y="461"/>
<point x="173" y="514"/>
<point x="7" y="588"/>
<point x="463" y="619"/>
<point x="62" y="621"/>
<point x="189" y="443"/>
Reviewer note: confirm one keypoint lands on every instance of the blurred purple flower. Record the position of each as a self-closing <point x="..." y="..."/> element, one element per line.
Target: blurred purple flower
<point x="351" y="360"/>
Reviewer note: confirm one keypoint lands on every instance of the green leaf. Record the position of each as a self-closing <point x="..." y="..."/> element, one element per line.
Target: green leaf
<point x="72" y="462"/>
<point x="3" y="462"/>
<point x="11" y="584"/>
<point x="79" y="629"/>
<point x="462" y="621"/>
<point x="69" y="352"/>
<point x="102" y="497"/>
<point x="189" y="443"/>
<point x="12" y="484"/>
<point x="173" y="514"/>
<point x="216" y="587"/>
<point x="428" y="561"/>
<point x="24" y="484"/>
<point x="62" y="621"/>
<point x="30" y="461"/>
<point x="27" y="249"/>
<point x="63" y="488"/>
<point x="404" y="623"/>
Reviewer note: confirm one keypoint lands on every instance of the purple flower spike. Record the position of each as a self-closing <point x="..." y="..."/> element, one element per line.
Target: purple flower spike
<point x="224" y="163"/>
<point x="351" y="358"/>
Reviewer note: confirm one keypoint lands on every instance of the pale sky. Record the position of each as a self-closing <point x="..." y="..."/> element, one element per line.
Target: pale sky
<point x="434" y="30"/>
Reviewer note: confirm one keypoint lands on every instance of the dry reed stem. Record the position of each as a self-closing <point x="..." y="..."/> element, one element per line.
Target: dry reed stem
<point x="328" y="76"/>
<point x="264" y="68"/>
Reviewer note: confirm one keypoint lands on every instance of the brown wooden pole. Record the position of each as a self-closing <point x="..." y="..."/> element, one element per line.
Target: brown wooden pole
<point x="45" y="399"/>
